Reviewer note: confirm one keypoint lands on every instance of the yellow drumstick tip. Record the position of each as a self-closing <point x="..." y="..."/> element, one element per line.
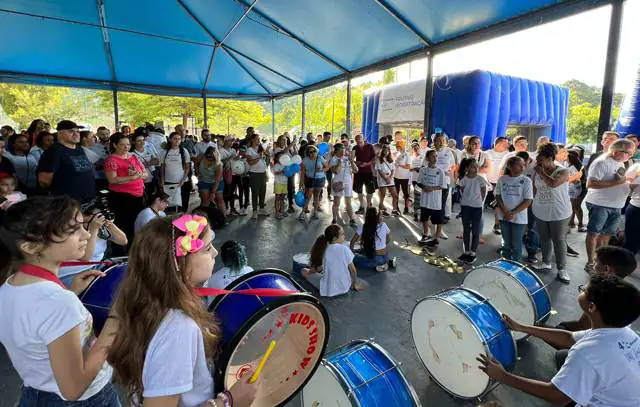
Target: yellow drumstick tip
<point x="266" y="356"/>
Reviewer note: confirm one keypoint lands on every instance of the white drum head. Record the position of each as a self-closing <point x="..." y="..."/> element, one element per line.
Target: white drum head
<point x="302" y="258"/>
<point x="324" y="389"/>
<point x="300" y="332"/>
<point x="448" y="344"/>
<point x="505" y="293"/>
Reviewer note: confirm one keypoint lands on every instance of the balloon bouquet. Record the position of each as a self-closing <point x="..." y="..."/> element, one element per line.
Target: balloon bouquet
<point x="292" y="167"/>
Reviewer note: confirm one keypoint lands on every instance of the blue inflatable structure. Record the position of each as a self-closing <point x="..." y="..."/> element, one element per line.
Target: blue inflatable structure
<point x="484" y="104"/>
<point x="629" y="118"/>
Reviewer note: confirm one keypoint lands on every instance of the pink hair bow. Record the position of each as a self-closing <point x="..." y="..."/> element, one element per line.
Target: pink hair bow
<point x="192" y="225"/>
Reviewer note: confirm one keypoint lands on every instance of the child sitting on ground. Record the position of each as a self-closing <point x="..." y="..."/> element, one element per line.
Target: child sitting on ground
<point x="374" y="237"/>
<point x="234" y="259"/>
<point x="336" y="261"/>
<point x="608" y="260"/>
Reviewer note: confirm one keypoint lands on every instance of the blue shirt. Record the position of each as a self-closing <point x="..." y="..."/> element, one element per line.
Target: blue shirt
<point x="310" y="171"/>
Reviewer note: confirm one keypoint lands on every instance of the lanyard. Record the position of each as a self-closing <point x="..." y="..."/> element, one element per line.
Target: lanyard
<point x="37" y="271"/>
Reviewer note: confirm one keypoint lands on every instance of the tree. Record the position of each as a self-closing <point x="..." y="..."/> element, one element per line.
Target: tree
<point x="25" y="103"/>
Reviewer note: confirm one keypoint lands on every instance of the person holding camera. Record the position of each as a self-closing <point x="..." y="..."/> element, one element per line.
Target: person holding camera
<point x="125" y="174"/>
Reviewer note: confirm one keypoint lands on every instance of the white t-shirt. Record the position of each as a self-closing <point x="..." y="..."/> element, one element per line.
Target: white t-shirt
<point x="175" y="362"/>
<point x="401" y="172"/>
<point x="336" y="279"/>
<point x="344" y="174"/>
<point x="416" y="163"/>
<point x="202" y="146"/>
<point x="145" y="157"/>
<point x="602" y="369"/>
<point x="174" y="171"/>
<point x="32" y="317"/>
<point x="98" y="255"/>
<point x="279" y="178"/>
<point x="382" y="231"/>
<point x="384" y="168"/>
<point x="223" y="277"/>
<point x="260" y="166"/>
<point x="432" y="177"/>
<point x="551" y="204"/>
<point x="634" y="171"/>
<point x="575" y="188"/>
<point x="605" y="168"/>
<point x="226" y="153"/>
<point x="472" y="191"/>
<point x="514" y="190"/>
<point x="145" y="216"/>
<point x="496" y="160"/>
<point x="157" y="139"/>
<point x="528" y="170"/>
<point x="445" y="159"/>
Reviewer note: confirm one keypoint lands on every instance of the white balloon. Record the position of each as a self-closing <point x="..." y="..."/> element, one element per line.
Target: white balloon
<point x="237" y="167"/>
<point x="285" y="160"/>
<point x="296" y="159"/>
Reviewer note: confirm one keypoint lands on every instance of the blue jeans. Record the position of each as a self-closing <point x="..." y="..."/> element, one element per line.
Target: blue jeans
<point x="363" y="262"/>
<point x="512" y="236"/>
<point x="532" y="240"/>
<point x="107" y="397"/>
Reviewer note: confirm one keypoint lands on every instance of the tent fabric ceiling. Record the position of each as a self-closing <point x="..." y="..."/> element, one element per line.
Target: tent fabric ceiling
<point x="248" y="49"/>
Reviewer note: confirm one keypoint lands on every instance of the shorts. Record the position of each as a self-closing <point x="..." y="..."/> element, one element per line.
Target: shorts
<point x="204" y="186"/>
<point x="314" y="183"/>
<point x="365" y="179"/>
<point x="347" y="190"/>
<point x="603" y="220"/>
<point x="280" y="189"/>
<point x="435" y="215"/>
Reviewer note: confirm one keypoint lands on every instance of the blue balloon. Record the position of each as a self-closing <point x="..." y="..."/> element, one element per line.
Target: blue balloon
<point x="295" y="168"/>
<point x="323" y="148"/>
<point x="300" y="198"/>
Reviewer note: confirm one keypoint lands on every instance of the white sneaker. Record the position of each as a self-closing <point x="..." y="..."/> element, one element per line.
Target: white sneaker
<point x="393" y="262"/>
<point x="443" y="235"/>
<point x="540" y="266"/>
<point x="382" y="268"/>
<point x="563" y="276"/>
<point x="263" y="212"/>
<point x="254" y="215"/>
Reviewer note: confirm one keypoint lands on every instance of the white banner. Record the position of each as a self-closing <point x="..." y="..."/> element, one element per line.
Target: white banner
<point x="402" y="103"/>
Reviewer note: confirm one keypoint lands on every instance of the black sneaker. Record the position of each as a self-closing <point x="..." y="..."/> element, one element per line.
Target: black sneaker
<point x="291" y="210"/>
<point x="360" y="211"/>
<point x="416" y="217"/>
<point x="385" y="213"/>
<point x="406" y="211"/>
<point x="464" y="257"/>
<point x="531" y="258"/>
<point x="396" y="212"/>
<point x="445" y="220"/>
<point x="571" y="252"/>
<point x="425" y="239"/>
<point x="471" y="258"/>
<point x="496" y="229"/>
<point x="432" y="243"/>
<point x="458" y="216"/>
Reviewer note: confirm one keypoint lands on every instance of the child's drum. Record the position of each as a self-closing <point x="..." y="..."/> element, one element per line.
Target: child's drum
<point x="300" y="261"/>
<point x="360" y="374"/>
<point x="450" y="329"/>
<point x="298" y="323"/>
<point x="99" y="295"/>
<point x="514" y="290"/>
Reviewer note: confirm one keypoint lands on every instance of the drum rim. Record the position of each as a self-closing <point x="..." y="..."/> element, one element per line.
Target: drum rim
<point x="339" y="377"/>
<point x="539" y="319"/>
<point x="225" y="354"/>
<point x="84" y="292"/>
<point x="491" y="383"/>
<point x="243" y="278"/>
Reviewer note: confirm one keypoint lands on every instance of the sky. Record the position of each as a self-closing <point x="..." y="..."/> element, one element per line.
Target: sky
<point x="571" y="48"/>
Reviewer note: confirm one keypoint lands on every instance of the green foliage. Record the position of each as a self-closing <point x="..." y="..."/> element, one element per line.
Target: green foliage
<point x="25" y="103"/>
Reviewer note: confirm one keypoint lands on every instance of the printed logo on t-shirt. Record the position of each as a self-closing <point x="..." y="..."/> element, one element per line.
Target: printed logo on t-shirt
<point x="80" y="163"/>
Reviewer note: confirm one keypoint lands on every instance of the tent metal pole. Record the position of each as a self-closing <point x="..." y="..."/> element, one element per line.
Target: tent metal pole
<point x="608" y="86"/>
<point x="428" y="93"/>
<point x="304" y="115"/>
<point x="403" y="22"/>
<point x="348" y="124"/>
<point x="204" y="110"/>
<point x="116" y="114"/>
<point x="273" y="118"/>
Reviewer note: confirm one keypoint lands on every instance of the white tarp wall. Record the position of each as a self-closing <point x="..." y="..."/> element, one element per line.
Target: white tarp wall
<point x="402" y="104"/>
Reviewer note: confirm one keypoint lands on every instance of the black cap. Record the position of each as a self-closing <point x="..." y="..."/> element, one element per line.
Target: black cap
<point x="67" y="125"/>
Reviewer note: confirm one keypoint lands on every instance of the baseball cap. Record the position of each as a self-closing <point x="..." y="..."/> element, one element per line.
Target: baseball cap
<point x="67" y="125"/>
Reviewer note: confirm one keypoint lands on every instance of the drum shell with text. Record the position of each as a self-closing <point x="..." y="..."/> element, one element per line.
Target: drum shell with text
<point x="514" y="290"/>
<point x="298" y="323"/>
<point x="359" y="374"/>
<point x="450" y="329"/>
<point x="99" y="295"/>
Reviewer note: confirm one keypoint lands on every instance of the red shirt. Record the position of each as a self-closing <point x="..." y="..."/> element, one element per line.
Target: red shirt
<point x="364" y="154"/>
<point x="121" y="167"/>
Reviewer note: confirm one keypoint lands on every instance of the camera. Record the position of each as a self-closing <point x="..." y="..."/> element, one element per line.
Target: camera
<point x="101" y="203"/>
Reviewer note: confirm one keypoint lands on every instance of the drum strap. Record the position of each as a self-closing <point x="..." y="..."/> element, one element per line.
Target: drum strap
<point x="261" y="292"/>
<point x="86" y="263"/>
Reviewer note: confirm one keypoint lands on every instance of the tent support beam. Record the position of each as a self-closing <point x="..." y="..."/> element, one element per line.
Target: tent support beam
<point x="204" y="110"/>
<point x="209" y="69"/>
<point x="116" y="113"/>
<point x="608" y="87"/>
<point x="215" y="40"/>
<point x="403" y="22"/>
<point x="242" y="17"/>
<point x="304" y="115"/>
<point x="295" y="37"/>
<point x="273" y="71"/>
<point x="348" y="110"/>
<point x="428" y="93"/>
<point x="273" y="119"/>
<point x="105" y="39"/>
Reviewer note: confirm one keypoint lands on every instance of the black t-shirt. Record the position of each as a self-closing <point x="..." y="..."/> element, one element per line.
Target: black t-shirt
<point x="72" y="172"/>
<point x="6" y="166"/>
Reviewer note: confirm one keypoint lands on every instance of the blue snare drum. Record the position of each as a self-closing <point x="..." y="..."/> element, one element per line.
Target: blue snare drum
<point x="450" y="329"/>
<point x="298" y="323"/>
<point x="360" y="374"/>
<point x="514" y="290"/>
<point x="98" y="297"/>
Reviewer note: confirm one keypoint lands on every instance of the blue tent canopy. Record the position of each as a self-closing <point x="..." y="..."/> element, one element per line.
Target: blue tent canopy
<point x="247" y="49"/>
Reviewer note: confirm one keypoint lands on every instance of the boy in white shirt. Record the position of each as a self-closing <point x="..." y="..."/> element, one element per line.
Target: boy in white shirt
<point x="432" y="181"/>
<point x="603" y="364"/>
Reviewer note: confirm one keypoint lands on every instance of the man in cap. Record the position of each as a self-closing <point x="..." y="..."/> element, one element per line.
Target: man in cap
<point x="64" y="168"/>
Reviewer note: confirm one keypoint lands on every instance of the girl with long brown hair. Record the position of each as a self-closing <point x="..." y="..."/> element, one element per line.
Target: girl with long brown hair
<point x="167" y="340"/>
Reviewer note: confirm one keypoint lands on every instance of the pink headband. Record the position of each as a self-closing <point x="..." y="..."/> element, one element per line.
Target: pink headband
<point x="192" y="225"/>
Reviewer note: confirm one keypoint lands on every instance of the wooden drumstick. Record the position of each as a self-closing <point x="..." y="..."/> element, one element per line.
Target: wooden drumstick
<point x="256" y="374"/>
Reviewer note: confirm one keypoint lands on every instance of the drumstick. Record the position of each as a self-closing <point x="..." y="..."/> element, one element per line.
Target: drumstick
<point x="256" y="374"/>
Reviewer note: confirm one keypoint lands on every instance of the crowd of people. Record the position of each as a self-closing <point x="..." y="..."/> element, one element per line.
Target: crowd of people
<point x="76" y="195"/>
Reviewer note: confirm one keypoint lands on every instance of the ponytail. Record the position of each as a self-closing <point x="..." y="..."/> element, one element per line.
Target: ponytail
<point x="331" y="233"/>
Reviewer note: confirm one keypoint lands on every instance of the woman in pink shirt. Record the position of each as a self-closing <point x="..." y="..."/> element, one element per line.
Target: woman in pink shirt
<point x="125" y="174"/>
